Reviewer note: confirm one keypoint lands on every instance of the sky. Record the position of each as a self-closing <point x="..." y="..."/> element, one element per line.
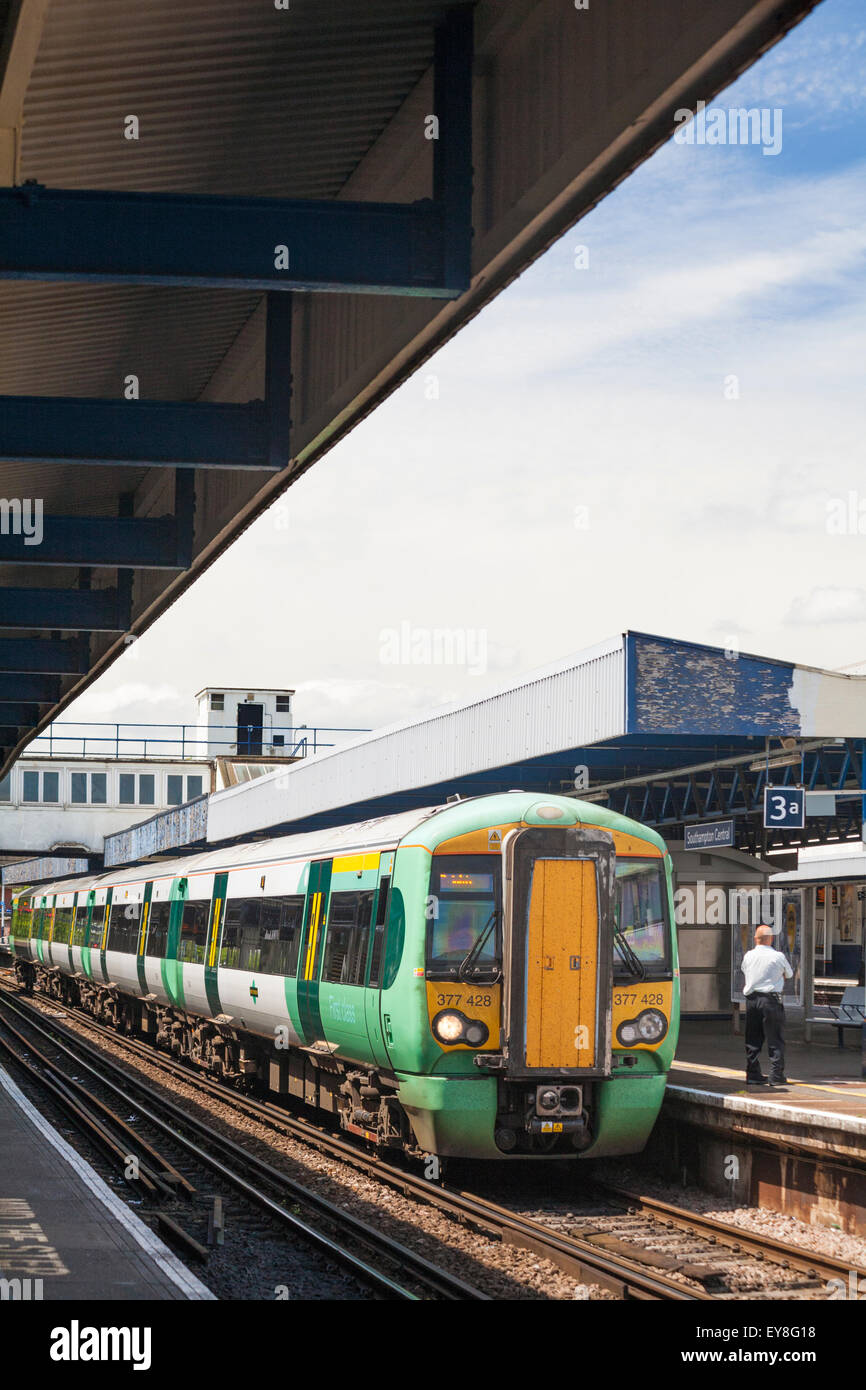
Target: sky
<point x="664" y="431"/>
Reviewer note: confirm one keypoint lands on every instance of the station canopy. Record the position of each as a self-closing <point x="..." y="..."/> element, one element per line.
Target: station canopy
<point x="228" y="231"/>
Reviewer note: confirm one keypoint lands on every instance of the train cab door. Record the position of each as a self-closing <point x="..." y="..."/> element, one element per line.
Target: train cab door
<point x="376" y="963"/>
<point x="559" y="936"/>
<point x="310" y="957"/>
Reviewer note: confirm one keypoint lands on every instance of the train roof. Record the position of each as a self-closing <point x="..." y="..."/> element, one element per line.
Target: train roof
<point x="381" y="832"/>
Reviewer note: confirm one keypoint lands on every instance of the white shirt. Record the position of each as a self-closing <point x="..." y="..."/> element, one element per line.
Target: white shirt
<point x="765" y="971"/>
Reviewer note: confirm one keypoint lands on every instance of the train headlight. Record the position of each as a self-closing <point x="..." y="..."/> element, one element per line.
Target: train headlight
<point x="650" y="1026"/>
<point x="449" y="1027"/>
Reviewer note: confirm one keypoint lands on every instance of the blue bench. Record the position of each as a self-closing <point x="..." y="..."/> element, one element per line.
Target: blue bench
<point x="850" y="1013"/>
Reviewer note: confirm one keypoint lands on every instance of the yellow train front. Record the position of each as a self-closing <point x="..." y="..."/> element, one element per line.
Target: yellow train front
<point x="550" y="1006"/>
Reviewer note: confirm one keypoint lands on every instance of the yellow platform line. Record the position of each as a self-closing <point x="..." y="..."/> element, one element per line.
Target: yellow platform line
<point x="729" y="1071"/>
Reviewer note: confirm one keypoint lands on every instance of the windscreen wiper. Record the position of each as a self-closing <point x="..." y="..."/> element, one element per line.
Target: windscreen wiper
<point x="474" y="952"/>
<point x="633" y="961"/>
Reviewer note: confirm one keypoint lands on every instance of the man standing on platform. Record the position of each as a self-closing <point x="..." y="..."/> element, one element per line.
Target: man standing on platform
<point x="765" y="971"/>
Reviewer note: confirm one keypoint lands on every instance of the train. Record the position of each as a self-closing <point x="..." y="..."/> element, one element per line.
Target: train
<point x="492" y="978"/>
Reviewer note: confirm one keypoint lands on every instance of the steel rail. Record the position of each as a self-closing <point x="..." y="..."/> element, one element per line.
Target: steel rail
<point x="573" y="1255"/>
<point x="432" y="1277"/>
<point x="714" y="1229"/>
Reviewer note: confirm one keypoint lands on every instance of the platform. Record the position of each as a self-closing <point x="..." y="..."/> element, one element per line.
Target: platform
<point x="801" y="1149"/>
<point x="62" y="1225"/>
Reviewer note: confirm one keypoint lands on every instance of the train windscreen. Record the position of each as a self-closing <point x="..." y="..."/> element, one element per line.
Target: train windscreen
<point x="464" y="933"/>
<point x="641" y="916"/>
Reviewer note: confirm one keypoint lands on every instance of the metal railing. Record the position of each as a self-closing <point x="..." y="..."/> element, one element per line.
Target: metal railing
<point x="183" y="741"/>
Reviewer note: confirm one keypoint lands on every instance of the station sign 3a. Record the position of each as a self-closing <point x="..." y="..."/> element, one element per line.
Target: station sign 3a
<point x="784" y="808"/>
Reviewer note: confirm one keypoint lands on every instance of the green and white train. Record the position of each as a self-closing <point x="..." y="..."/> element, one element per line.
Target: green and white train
<point x="493" y="977"/>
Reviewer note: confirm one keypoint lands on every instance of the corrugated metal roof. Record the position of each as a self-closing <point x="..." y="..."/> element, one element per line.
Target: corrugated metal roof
<point x="577" y="702"/>
<point x="320" y="100"/>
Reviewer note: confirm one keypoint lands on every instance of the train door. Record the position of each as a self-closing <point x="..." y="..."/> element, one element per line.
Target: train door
<point x="142" y="938"/>
<point x="373" y="992"/>
<point x="309" y="963"/>
<point x="559" y="931"/>
<point x="86" y="965"/>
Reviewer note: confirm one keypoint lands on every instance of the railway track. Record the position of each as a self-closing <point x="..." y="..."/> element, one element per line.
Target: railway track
<point x="638" y="1248"/>
<point x="398" y="1272"/>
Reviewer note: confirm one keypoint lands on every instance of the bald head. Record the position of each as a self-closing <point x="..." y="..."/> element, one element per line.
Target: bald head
<point x="764" y="936"/>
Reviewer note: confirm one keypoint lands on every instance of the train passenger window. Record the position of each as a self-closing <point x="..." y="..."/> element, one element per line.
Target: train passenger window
<point x="240" y="944"/>
<point x="464" y="928"/>
<point x="157" y="929"/>
<point x="262" y="934"/>
<point x="97" y="922"/>
<point x="123" y="928"/>
<point x="379" y="932"/>
<point x="63" y="924"/>
<point x="193" y="932"/>
<point x="281" y="922"/>
<point x="79" y="930"/>
<point x="349" y="916"/>
<point x="22" y="918"/>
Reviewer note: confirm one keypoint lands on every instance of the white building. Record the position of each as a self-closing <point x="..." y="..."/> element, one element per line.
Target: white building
<point x="60" y="802"/>
<point x="242" y="722"/>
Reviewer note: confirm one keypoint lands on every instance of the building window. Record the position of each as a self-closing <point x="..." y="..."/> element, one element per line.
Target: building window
<point x="98" y="783"/>
<point x="145" y="789"/>
<point x="218" y="702"/>
<point x="6" y="787"/>
<point x="30" y="786"/>
<point x="279" y="740"/>
<point x="174" y="789"/>
<point x="126" y="796"/>
<point x="78" y="788"/>
<point x="193" y="788"/>
<point x="284" y="704"/>
<point x="51" y="786"/>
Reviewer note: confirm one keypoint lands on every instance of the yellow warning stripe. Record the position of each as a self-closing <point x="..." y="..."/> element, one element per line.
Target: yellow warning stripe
<point x="215" y="930"/>
<point x="105" y="926"/>
<point x="143" y="931"/>
<point x="728" y="1071"/>
<point x="314" y="931"/>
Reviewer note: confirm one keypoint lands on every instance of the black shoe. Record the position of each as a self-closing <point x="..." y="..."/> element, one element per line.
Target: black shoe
<point x="779" y="1085"/>
<point x="757" y="1081"/>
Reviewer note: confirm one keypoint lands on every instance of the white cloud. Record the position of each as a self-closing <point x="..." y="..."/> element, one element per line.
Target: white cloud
<point x="828" y="605"/>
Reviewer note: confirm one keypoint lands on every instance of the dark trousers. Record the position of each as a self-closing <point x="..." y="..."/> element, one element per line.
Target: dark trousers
<point x="765" y="1021"/>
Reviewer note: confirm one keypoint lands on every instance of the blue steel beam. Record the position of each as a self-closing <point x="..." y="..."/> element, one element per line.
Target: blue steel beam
<point x="52" y="656"/>
<point x="43" y="690"/>
<point x="63" y="610"/>
<point x="51" y="429"/>
<point x="109" y="541"/>
<point x="20" y="715"/>
<point x="420" y="248"/>
<point x="230" y="243"/>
